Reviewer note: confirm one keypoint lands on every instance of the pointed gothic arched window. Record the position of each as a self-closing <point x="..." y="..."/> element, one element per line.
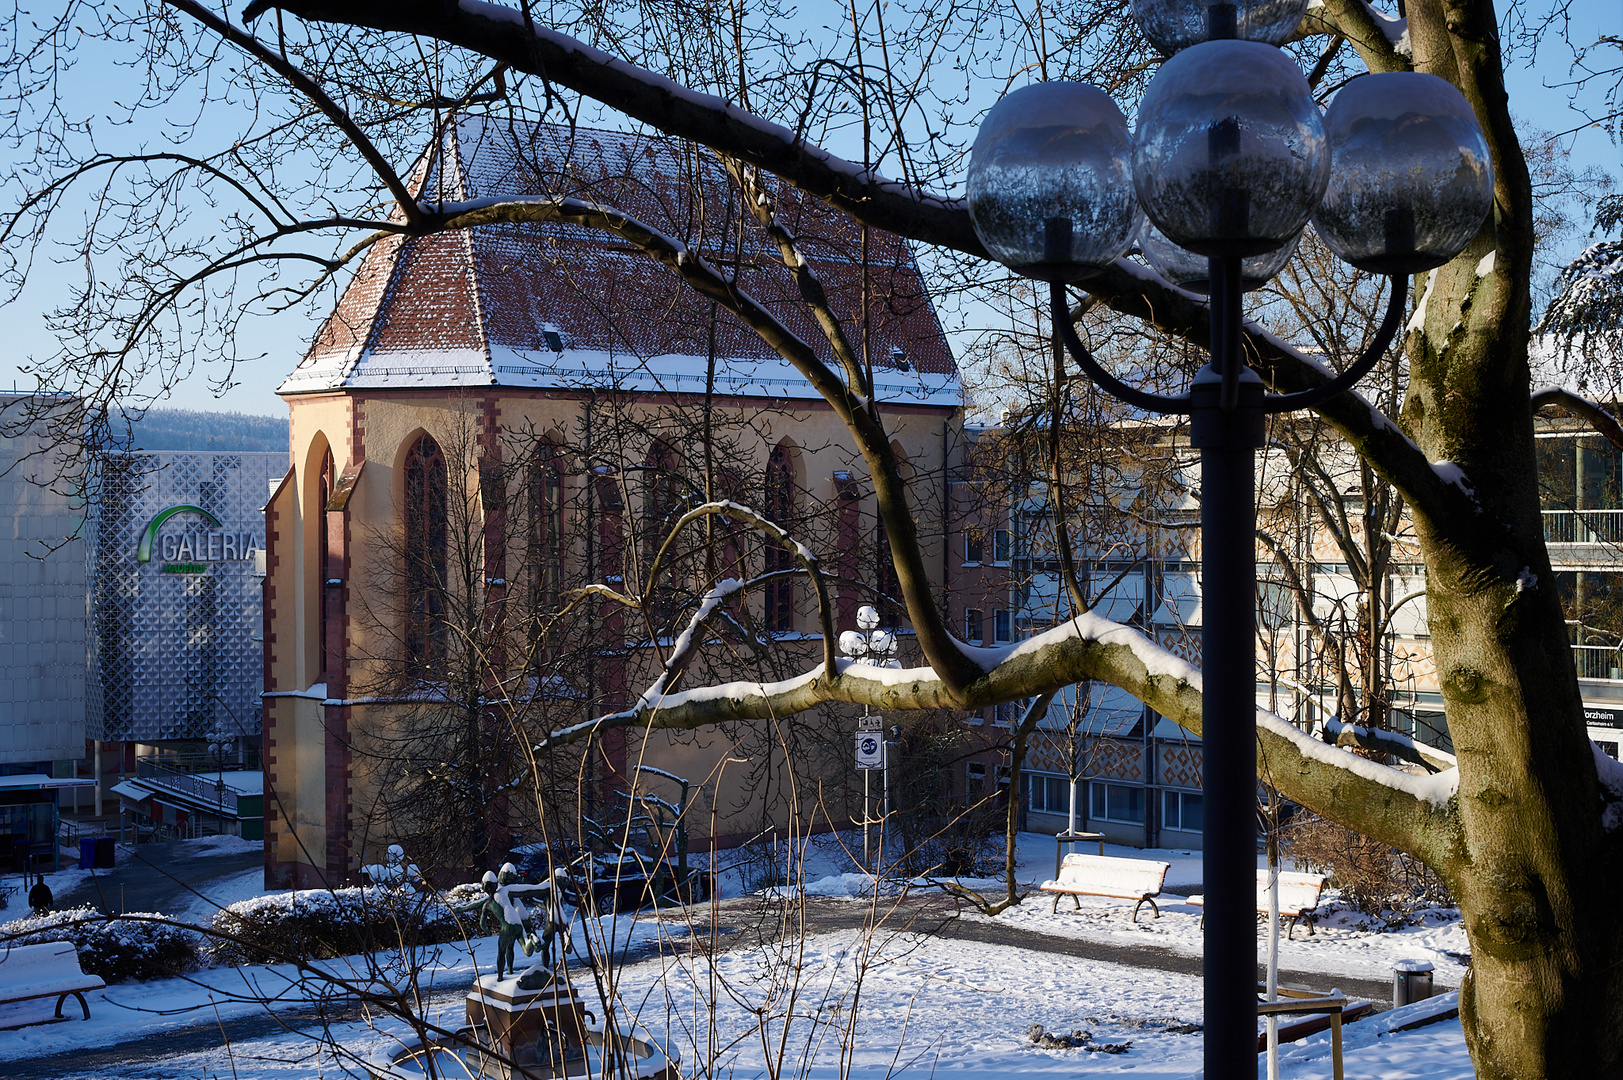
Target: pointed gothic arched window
<point x="425" y="551"/>
<point x="545" y="558"/>
<point x="780" y="507"/>
<point x="324" y="490"/>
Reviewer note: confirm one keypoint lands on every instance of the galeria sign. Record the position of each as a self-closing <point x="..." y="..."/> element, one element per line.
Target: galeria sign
<point x="190" y="551"/>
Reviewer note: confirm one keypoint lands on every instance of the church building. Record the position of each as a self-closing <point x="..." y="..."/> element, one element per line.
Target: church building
<point x="494" y="435"/>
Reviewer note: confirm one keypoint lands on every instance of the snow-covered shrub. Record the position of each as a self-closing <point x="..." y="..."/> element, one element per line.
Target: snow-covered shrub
<point x="314" y="924"/>
<point x="1376" y="879"/>
<point x="119" y="948"/>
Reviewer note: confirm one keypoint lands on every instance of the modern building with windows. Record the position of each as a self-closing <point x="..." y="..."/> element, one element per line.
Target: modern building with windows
<point x="43" y="643"/>
<point x="1137" y="775"/>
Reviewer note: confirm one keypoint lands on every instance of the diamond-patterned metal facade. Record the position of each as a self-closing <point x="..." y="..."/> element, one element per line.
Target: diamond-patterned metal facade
<point x="177" y="649"/>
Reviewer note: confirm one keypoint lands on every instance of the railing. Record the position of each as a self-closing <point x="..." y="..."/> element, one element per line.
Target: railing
<point x="193" y="784"/>
<point x="1598" y="662"/>
<point x="1583" y="526"/>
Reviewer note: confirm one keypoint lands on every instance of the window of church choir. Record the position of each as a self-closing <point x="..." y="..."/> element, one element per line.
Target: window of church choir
<point x="545" y="558"/>
<point x="425" y="554"/>
<point x="780" y="508"/>
<point x="324" y="489"/>
<point x="661" y="503"/>
<point x="890" y="586"/>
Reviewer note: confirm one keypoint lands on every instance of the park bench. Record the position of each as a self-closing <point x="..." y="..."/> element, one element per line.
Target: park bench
<point x="1298" y="898"/>
<point x="1105" y="875"/>
<point x="52" y="969"/>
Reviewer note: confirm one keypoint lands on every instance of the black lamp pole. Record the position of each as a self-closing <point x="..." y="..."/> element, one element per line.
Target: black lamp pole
<point x="1228" y="433"/>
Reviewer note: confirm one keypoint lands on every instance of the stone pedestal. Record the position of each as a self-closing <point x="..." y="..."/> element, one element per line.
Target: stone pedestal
<point x="543" y="1029"/>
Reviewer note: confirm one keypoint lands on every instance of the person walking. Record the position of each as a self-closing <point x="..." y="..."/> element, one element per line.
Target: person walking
<point x="40" y="898"/>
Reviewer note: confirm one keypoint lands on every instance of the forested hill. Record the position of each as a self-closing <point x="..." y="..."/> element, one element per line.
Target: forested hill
<point x="190" y="429"/>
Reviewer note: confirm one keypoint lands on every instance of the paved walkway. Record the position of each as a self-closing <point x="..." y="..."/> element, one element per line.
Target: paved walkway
<point x="147" y="877"/>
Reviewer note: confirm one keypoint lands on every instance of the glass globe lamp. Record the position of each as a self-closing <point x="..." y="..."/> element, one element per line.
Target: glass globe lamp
<point x="1190" y="271"/>
<point x="867" y="617"/>
<point x="1174" y="25"/>
<point x="853" y="643"/>
<point x="1230" y="156"/>
<point x="1051" y="181"/>
<point x="882" y="642"/>
<point x="1411" y="178"/>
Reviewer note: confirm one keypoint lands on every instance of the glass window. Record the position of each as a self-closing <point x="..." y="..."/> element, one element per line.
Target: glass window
<point x="1181" y="810"/>
<point x="1116" y="802"/>
<point x="976" y="776"/>
<point x="1002" y="545"/>
<point x="427" y="537"/>
<point x="780" y="508"/>
<point x="1047" y="794"/>
<point x="972" y="546"/>
<point x="974" y="632"/>
<point x="1000" y="626"/>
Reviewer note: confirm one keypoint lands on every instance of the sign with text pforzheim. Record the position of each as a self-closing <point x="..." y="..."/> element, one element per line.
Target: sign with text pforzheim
<point x="178" y="564"/>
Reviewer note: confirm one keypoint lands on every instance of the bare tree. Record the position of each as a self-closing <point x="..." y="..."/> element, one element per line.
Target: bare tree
<point x="1525" y="837"/>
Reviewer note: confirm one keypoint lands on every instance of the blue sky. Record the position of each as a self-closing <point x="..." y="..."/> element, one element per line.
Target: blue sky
<point x="1536" y="94"/>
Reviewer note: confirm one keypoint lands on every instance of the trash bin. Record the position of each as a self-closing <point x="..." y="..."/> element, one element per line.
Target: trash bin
<point x="87" y="853"/>
<point x="1411" y="981"/>
<point x="105" y="851"/>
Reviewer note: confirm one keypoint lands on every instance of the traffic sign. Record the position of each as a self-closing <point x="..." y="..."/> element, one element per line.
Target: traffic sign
<point x="870" y="750"/>
<point x="870" y="723"/>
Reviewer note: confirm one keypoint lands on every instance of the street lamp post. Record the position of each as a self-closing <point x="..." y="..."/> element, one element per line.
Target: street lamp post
<point x="868" y="644"/>
<point x="220" y="745"/>
<point x="1230" y="159"/>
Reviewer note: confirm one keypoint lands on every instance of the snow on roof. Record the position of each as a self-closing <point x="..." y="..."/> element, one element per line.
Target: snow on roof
<point x="566" y="306"/>
<point x="31" y="781"/>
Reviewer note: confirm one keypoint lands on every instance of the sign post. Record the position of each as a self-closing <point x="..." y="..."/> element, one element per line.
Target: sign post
<point x="870" y="756"/>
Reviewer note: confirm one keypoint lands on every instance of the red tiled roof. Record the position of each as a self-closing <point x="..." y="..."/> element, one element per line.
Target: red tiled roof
<point x="473" y="307"/>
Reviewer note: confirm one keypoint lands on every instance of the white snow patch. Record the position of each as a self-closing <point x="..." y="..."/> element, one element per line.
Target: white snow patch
<point x="1485" y="266"/>
<point x="1417" y="321"/>
<point x="1526" y="580"/>
<point x="1450" y="473"/>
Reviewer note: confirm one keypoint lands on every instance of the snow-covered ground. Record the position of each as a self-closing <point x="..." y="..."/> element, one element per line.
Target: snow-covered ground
<point x="926" y="1004"/>
<point x="1344" y="942"/>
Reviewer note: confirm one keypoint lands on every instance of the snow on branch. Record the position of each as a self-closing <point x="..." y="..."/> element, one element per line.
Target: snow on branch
<point x="1387" y="742"/>
<point x="1601" y="420"/>
<point x="1398" y="805"/>
<point x="777" y="533"/>
<point x="1588" y="298"/>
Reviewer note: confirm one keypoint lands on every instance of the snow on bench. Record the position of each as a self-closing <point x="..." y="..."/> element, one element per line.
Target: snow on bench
<point x="1105" y="875"/>
<point x="41" y="971"/>
<point x="1298" y="897"/>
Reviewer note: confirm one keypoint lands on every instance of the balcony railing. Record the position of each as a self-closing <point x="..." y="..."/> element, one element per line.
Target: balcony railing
<point x="197" y="786"/>
<point x="1583" y="526"/>
<point x="1598" y="662"/>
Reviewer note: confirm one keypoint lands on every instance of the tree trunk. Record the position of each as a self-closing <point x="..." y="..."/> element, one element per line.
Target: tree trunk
<point x="1544" y="997"/>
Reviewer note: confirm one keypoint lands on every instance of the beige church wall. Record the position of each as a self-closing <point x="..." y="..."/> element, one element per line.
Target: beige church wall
<point x="314" y="423"/>
<point x="740" y="789"/>
<point x="298" y="794"/>
<point x="379" y="426"/>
